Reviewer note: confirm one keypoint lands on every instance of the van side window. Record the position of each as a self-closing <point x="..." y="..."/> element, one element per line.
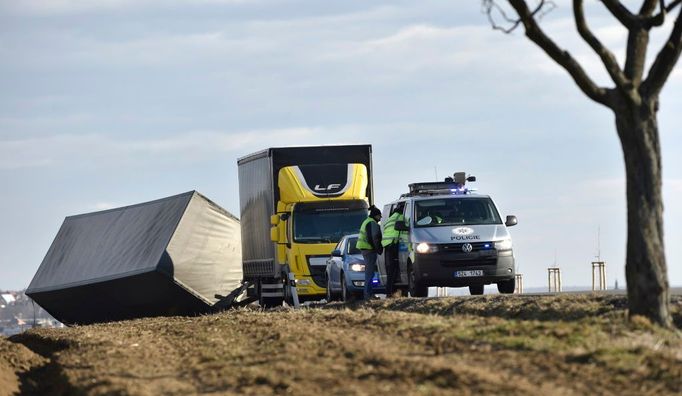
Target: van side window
<point x="408" y="213"/>
<point x="387" y="213"/>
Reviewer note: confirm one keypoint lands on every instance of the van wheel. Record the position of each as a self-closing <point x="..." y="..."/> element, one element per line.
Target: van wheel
<point x="415" y="288"/>
<point x="347" y="295"/>
<point x="476" y="290"/>
<point x="506" y="287"/>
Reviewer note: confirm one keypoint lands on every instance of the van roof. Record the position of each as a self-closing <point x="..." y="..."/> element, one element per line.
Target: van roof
<point x="438" y="196"/>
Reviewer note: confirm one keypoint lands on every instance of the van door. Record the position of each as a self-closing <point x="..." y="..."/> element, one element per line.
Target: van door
<point x="381" y="264"/>
<point x="404" y="245"/>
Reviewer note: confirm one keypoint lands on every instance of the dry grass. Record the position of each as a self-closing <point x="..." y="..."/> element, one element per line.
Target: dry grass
<point x="483" y="345"/>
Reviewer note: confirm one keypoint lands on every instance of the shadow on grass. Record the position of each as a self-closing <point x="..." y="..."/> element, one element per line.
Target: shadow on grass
<point x="46" y="379"/>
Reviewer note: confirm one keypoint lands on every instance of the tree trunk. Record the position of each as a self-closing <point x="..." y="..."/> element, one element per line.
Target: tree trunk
<point x="645" y="266"/>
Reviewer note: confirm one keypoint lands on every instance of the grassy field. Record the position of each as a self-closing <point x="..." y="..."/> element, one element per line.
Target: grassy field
<point x="563" y="345"/>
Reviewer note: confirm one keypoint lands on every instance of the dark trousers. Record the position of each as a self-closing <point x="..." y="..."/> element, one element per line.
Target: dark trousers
<point x="392" y="264"/>
<point x="370" y="257"/>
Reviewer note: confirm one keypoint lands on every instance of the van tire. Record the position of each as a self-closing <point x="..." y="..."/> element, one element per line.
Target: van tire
<point x="476" y="290"/>
<point x="416" y="289"/>
<point x="506" y="287"/>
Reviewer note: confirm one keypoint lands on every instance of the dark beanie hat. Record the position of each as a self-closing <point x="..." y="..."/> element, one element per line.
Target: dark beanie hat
<point x="374" y="211"/>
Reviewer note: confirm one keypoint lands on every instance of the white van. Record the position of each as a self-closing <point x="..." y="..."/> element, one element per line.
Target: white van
<point x="451" y="237"/>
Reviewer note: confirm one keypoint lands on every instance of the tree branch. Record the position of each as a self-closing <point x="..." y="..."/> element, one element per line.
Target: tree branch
<point x="648" y="8"/>
<point x="490" y="5"/>
<point x="562" y="57"/>
<point x="672" y="5"/>
<point x="624" y="16"/>
<point x="607" y="57"/>
<point x="665" y="61"/>
<point x="659" y="19"/>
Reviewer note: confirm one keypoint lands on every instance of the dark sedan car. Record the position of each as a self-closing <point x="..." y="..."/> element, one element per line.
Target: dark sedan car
<point x="346" y="272"/>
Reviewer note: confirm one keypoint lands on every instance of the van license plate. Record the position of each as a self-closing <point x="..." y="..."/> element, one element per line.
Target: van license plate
<point x="464" y="274"/>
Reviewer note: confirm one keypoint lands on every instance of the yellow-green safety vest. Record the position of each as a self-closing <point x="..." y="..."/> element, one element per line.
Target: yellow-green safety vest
<point x="363" y="242"/>
<point x="390" y="234"/>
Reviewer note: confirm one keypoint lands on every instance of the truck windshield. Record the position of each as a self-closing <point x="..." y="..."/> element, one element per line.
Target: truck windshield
<point x="326" y="226"/>
<point x="455" y="211"/>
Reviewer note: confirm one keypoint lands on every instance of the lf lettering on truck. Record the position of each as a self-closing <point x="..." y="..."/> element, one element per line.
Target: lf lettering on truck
<point x="296" y="204"/>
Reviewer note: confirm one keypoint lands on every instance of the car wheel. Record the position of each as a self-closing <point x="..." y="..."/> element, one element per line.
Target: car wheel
<point x="415" y="288"/>
<point x="346" y="295"/>
<point x="476" y="290"/>
<point x="506" y="287"/>
<point x="330" y="296"/>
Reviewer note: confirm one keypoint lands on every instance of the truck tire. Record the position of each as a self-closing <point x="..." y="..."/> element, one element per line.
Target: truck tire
<point x="476" y="290"/>
<point x="506" y="287"/>
<point x="416" y="289"/>
<point x="269" y="302"/>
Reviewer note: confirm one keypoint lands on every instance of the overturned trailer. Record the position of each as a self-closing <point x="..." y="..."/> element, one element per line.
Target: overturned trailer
<point x="172" y="256"/>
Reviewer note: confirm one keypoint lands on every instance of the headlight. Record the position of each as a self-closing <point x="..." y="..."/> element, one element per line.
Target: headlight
<point x="504" y="244"/>
<point x="424" y="248"/>
<point x="357" y="267"/>
<point x="303" y="282"/>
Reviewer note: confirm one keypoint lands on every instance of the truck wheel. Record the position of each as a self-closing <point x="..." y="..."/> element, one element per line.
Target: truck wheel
<point x="415" y="288"/>
<point x="476" y="290"/>
<point x="506" y="287"/>
<point x="269" y="302"/>
<point x="347" y="295"/>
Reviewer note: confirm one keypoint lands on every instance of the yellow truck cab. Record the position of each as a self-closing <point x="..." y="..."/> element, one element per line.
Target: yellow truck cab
<point x="296" y="204"/>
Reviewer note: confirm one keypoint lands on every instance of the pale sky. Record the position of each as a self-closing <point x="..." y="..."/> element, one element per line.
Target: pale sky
<point x="116" y="102"/>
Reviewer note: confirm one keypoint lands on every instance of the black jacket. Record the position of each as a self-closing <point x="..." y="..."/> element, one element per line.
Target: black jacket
<point x="374" y="237"/>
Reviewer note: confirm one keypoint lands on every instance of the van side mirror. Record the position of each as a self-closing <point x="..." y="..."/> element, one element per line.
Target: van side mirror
<point x="336" y="253"/>
<point x="401" y="226"/>
<point x="511" y="221"/>
<point x="274" y="219"/>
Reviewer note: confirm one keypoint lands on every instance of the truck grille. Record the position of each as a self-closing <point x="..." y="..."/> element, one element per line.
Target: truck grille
<point x="317" y="265"/>
<point x="319" y="276"/>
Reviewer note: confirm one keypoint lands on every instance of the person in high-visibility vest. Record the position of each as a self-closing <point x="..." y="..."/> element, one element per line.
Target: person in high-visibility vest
<point x="369" y="243"/>
<point x="390" y="242"/>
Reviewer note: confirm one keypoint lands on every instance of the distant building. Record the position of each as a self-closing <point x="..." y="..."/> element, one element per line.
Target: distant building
<point x="18" y="313"/>
<point x="7" y="299"/>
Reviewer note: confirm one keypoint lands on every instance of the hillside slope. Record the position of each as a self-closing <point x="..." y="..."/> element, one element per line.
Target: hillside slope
<point x="478" y="345"/>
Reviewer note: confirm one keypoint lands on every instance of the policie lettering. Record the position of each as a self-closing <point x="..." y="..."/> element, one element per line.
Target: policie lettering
<point x="465" y="237"/>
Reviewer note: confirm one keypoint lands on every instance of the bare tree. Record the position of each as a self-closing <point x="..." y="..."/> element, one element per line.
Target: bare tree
<point x="634" y="100"/>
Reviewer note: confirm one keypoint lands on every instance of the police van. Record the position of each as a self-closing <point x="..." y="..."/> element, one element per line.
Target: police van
<point x="451" y="237"/>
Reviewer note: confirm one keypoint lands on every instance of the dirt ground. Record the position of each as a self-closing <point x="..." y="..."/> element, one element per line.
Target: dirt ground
<point x="559" y="345"/>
